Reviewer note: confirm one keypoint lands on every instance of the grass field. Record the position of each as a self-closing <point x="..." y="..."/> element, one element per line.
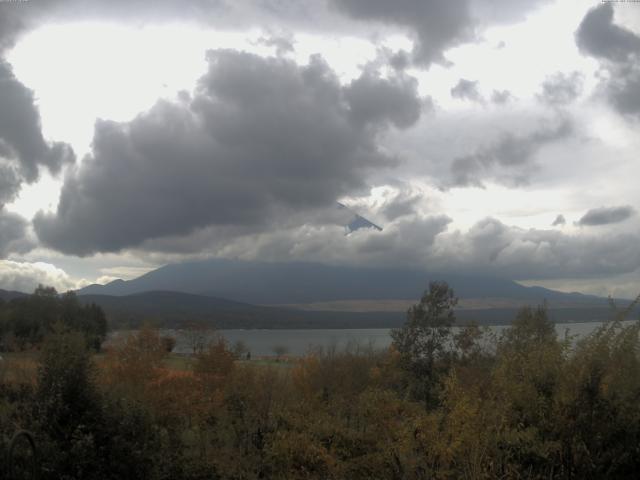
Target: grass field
<point x="181" y="362"/>
<point x="176" y="361"/>
<point x="20" y="367"/>
<point x="268" y="362"/>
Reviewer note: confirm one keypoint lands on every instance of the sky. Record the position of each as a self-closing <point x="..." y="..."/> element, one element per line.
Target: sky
<point x="484" y="136"/>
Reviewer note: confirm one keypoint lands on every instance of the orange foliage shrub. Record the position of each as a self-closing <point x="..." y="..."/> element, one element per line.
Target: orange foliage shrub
<point x="214" y="364"/>
<point x="131" y="365"/>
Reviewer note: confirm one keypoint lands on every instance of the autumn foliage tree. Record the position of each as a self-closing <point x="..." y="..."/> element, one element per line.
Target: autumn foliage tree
<point x="425" y="339"/>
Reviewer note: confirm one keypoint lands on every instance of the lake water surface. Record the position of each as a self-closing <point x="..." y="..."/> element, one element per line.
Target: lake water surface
<point x="300" y="342"/>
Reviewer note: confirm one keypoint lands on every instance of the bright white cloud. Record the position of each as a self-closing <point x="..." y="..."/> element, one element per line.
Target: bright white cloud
<point x="26" y="276"/>
<point x="32" y="198"/>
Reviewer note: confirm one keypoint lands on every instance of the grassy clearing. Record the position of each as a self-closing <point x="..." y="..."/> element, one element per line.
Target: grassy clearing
<point x="268" y="362"/>
<point x="19" y="367"/>
<point x="179" y="362"/>
<point x="175" y="361"/>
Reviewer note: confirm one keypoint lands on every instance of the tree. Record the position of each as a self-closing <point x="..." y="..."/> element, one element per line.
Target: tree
<point x="82" y="431"/>
<point x="467" y="342"/>
<point x="95" y="325"/>
<point x="88" y="319"/>
<point x="531" y="328"/>
<point x="240" y="349"/>
<point x="132" y="364"/>
<point x="67" y="407"/>
<point x="214" y="363"/>
<point x="30" y="319"/>
<point x="425" y="338"/>
<point x="65" y="382"/>
<point x="195" y="335"/>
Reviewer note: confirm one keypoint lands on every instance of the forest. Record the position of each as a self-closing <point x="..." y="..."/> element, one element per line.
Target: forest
<point x="26" y="321"/>
<point x="440" y="403"/>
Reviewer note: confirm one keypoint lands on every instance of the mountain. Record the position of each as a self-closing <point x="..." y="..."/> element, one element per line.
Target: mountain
<point x="8" y="295"/>
<point x="241" y="294"/>
<point x="302" y="283"/>
<point x="175" y="309"/>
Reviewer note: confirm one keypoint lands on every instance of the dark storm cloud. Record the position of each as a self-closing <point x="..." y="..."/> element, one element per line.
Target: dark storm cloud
<point x="18" y="17"/>
<point x="508" y="160"/>
<point x="437" y="25"/>
<point x="405" y="242"/>
<point x="491" y="247"/>
<point x="23" y="150"/>
<point x="504" y="11"/>
<point x="624" y="89"/>
<point x="374" y="100"/>
<point x="261" y="138"/>
<point x="9" y="183"/>
<point x="13" y="234"/>
<point x="561" y="89"/>
<point x="400" y="205"/>
<point x="10" y="25"/>
<point x="606" y="215"/>
<point x="400" y="60"/>
<point x="559" y="221"/>
<point x="598" y="36"/>
<point x="618" y="49"/>
<point x="467" y="90"/>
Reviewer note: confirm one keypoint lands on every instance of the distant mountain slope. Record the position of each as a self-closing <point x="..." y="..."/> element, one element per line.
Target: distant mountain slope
<point x="7" y="295"/>
<point x="175" y="309"/>
<point x="297" y="283"/>
<point x="160" y="301"/>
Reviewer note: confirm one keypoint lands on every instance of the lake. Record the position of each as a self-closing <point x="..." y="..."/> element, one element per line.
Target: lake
<point x="300" y="341"/>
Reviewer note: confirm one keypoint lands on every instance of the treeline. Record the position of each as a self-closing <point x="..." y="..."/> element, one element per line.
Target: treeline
<point x="26" y="321"/>
<point x="438" y="404"/>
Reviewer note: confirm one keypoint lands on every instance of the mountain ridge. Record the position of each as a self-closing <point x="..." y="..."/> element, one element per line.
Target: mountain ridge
<point x="8" y="295"/>
<point x="177" y="310"/>
<point x="302" y="282"/>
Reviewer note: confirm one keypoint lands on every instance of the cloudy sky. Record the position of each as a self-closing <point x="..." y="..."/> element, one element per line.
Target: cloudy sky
<point x="483" y="136"/>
